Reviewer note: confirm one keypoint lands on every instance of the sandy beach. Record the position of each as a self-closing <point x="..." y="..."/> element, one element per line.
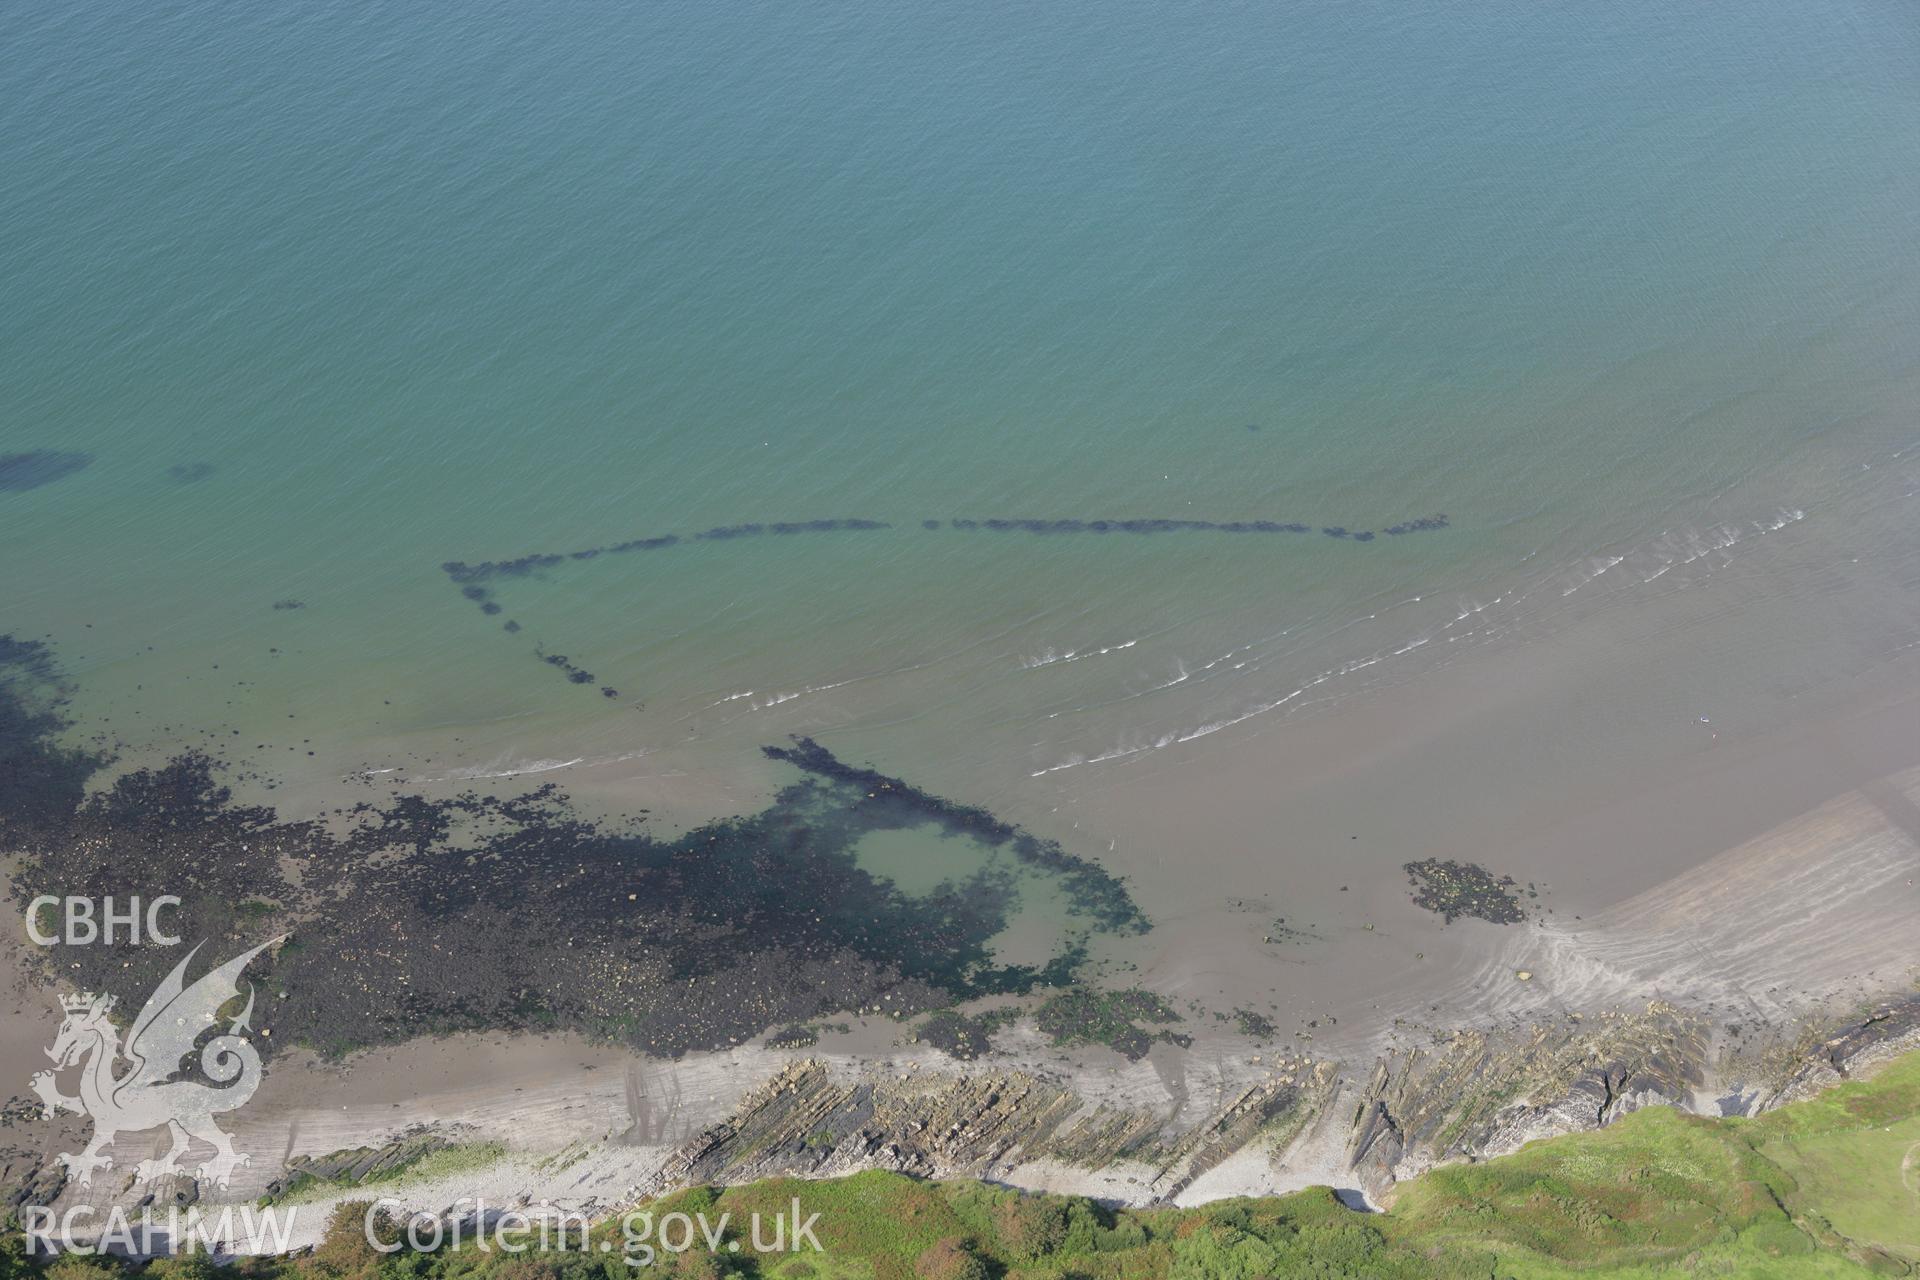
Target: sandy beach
<point x="1797" y="852"/>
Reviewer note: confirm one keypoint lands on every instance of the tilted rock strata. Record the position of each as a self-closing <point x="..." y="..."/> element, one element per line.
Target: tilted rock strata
<point x="1482" y="1094"/>
<point x="1472" y="1095"/>
<point x="806" y="1123"/>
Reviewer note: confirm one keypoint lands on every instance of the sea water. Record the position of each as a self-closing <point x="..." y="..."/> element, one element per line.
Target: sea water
<point x="339" y="294"/>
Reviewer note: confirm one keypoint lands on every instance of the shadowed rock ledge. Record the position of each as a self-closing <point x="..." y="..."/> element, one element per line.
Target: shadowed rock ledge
<point x="807" y="1123"/>
<point x="1469" y="1096"/>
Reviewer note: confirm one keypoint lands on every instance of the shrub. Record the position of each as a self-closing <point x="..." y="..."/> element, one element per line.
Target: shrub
<point x="951" y="1259"/>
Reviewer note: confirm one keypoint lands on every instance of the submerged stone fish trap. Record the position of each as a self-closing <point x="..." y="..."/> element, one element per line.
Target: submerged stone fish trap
<point x="472" y="579"/>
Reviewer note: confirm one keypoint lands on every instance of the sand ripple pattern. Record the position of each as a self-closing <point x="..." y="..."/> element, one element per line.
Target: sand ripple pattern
<point x="1767" y="929"/>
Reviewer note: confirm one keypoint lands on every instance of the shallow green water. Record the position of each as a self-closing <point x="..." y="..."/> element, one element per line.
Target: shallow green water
<point x="1619" y="291"/>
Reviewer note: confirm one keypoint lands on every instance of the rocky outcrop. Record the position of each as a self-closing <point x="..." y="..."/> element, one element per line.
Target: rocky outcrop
<point x="1467" y="1096"/>
<point x="1140" y="1134"/>
<point x="1274" y="1110"/>
<point x="28" y="1177"/>
<point x="807" y="1123"/>
<point x="1480" y="1093"/>
<point x="357" y="1165"/>
<point x="1888" y="1029"/>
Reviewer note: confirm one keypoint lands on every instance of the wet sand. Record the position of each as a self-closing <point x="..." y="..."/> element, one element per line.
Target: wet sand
<point x="1813" y="909"/>
<point x="1564" y="765"/>
<point x="33" y="1016"/>
<point x="1756" y="864"/>
<point x="1579" y="767"/>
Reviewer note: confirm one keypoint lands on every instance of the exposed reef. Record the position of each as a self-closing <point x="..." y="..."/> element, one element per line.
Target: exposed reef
<point x="22" y="471"/>
<point x="1254" y="1026"/>
<point x="1455" y="889"/>
<point x="415" y="915"/>
<point x="1087" y="1016"/>
<point x="794" y="1036"/>
<point x="959" y="1036"/>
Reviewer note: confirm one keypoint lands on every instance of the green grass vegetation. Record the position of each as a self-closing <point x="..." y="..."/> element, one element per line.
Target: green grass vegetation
<point x="1824" y="1188"/>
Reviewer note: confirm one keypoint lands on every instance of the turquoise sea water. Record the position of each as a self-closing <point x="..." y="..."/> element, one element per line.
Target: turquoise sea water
<point x="336" y="293"/>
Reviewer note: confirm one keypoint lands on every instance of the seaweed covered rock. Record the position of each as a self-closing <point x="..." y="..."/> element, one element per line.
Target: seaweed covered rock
<point x="1086" y="1015"/>
<point x="1455" y="889"/>
<point x="416" y="915"/>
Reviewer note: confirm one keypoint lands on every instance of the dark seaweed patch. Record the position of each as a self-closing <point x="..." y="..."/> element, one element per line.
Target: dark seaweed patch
<point x="575" y="673"/>
<point x="1455" y="889"/>
<point x="39" y="779"/>
<point x="1423" y="525"/>
<point x="22" y="471"/>
<point x="461" y="571"/>
<point x="416" y="915"/>
<point x="1084" y="1015"/>
<point x="29" y="660"/>
<point x="962" y="1037"/>
<point x="793" y="1037"/>
<point x="1249" y="1023"/>
<point x="1137" y="527"/>
<point x="190" y="472"/>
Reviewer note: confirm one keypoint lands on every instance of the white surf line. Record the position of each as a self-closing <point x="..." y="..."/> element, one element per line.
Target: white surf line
<point x="781" y="699"/>
<point x="1053" y="658"/>
<point x="505" y="768"/>
<point x="1702" y="543"/>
